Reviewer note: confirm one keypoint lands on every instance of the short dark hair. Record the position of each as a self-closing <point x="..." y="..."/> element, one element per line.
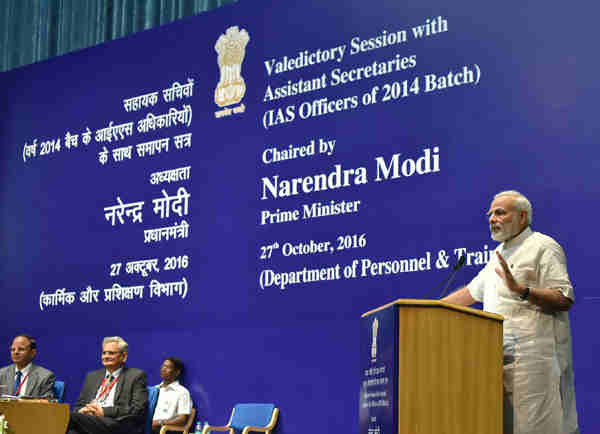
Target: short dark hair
<point x="30" y="338"/>
<point x="177" y="363"/>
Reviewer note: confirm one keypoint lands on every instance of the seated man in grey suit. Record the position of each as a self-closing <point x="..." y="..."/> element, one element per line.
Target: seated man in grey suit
<point x="112" y="400"/>
<point x="23" y="377"/>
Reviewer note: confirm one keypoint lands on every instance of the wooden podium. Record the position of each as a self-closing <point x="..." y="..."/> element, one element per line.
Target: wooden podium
<point x="33" y="417"/>
<point x="429" y="367"/>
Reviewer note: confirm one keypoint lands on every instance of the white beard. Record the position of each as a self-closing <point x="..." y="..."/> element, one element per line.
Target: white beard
<point x="505" y="231"/>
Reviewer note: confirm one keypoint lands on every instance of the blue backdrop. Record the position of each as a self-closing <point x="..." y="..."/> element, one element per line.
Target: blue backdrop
<point x="430" y="108"/>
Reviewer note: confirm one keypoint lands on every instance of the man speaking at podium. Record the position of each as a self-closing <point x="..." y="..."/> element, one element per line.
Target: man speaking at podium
<point x="112" y="400"/>
<point x="526" y="281"/>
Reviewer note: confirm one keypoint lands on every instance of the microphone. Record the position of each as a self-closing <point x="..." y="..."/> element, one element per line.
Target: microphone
<point x="457" y="266"/>
<point x="450" y="278"/>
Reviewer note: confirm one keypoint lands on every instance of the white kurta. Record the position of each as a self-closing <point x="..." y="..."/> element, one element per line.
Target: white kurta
<point x="538" y="364"/>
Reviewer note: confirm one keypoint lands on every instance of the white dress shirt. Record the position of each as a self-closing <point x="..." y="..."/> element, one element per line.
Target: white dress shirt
<point x="173" y="400"/>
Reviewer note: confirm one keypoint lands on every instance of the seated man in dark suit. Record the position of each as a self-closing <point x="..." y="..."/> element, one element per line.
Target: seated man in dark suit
<point x="23" y="377"/>
<point x="112" y="400"/>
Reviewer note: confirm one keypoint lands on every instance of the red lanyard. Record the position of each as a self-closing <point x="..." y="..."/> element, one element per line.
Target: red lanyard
<point x="105" y="389"/>
<point x="21" y="385"/>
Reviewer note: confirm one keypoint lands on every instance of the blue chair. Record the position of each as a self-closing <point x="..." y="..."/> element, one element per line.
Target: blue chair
<point x="247" y="418"/>
<point x="59" y="390"/>
<point x="152" y="400"/>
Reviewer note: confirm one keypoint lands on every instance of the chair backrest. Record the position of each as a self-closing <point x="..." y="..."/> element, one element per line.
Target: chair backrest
<point x="152" y="400"/>
<point x="251" y="415"/>
<point x="59" y="390"/>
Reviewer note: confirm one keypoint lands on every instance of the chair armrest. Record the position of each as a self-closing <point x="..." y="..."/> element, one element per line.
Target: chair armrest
<point x="208" y="428"/>
<point x="264" y="429"/>
<point x="181" y="428"/>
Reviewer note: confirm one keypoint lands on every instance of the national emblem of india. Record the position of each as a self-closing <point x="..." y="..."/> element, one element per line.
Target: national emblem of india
<point x="231" y="49"/>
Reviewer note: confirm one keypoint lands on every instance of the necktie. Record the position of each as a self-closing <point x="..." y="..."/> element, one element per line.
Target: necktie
<point x="102" y="393"/>
<point x="17" y="382"/>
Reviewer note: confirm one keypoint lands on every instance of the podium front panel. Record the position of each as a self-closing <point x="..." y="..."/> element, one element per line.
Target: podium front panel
<point x="444" y="363"/>
<point x="33" y="417"/>
<point x="379" y="373"/>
